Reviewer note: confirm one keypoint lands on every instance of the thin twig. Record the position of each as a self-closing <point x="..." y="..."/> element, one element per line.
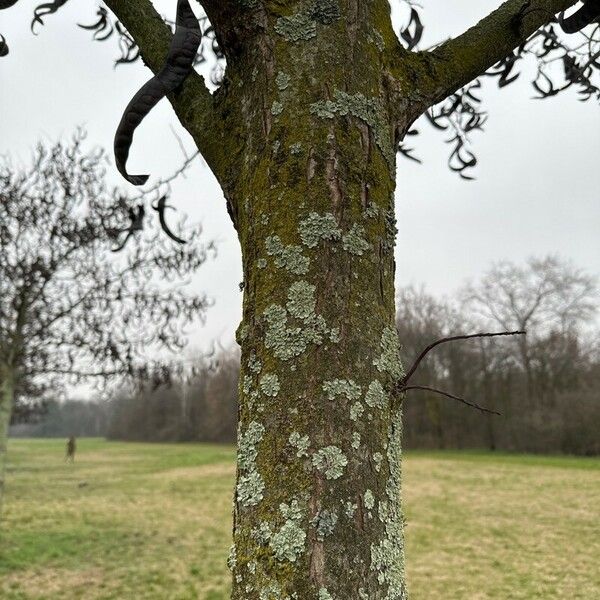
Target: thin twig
<point x="436" y="391"/>
<point x="454" y="338"/>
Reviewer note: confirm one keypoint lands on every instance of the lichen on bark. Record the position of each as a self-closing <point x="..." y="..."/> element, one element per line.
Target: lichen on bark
<point x="312" y="195"/>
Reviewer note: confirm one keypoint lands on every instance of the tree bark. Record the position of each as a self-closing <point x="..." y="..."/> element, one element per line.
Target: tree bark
<point x="6" y="403"/>
<point x="317" y="509"/>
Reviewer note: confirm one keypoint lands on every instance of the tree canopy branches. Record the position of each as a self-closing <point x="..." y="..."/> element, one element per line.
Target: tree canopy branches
<point x="446" y="77"/>
<point x="66" y="307"/>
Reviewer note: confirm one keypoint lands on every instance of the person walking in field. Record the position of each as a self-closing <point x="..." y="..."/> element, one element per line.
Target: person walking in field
<point x="71" y="447"/>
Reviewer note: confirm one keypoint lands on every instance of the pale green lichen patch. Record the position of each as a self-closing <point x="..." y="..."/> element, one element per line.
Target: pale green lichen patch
<point x="324" y="594"/>
<point x="301" y="300"/>
<point x="372" y="211"/>
<point x="350" y="508"/>
<point x="269" y="385"/>
<point x="354" y="242"/>
<point x="252" y="398"/>
<point x="242" y="333"/>
<point x="271" y="591"/>
<point x="302" y="26"/>
<point x="378" y="459"/>
<point x="296" y="27"/>
<point x="250" y="489"/>
<point x="288" y="543"/>
<point x="376" y="396"/>
<point x="369" y="110"/>
<point x="261" y="263"/>
<point x="291" y="511"/>
<point x="389" y="359"/>
<point x="287" y="257"/>
<point x="288" y="342"/>
<point x="369" y="500"/>
<point x="391" y="230"/>
<point x="384" y="513"/>
<point x="324" y="522"/>
<point x="296" y="148"/>
<point x="356" y="411"/>
<point x="247" y="445"/>
<point x="356" y="440"/>
<point x="387" y="557"/>
<point x="331" y="461"/>
<point x="282" y="81"/>
<point x="276" y="108"/>
<point x="342" y="387"/>
<point x="300" y="442"/>
<point x="232" y="559"/>
<point x="262" y="534"/>
<point x="250" y="485"/>
<point x="317" y="227"/>
<point x="254" y="363"/>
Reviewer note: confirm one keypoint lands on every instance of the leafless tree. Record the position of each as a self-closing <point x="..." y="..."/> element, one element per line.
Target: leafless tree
<point x="547" y="295"/>
<point x="70" y="308"/>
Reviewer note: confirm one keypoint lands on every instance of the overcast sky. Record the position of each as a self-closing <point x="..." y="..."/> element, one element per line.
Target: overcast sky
<point x="538" y="181"/>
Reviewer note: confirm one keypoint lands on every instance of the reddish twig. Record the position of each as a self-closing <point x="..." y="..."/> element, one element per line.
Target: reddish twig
<point x="436" y="391"/>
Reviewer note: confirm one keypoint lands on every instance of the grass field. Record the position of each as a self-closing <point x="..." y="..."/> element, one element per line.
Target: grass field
<point x="141" y="521"/>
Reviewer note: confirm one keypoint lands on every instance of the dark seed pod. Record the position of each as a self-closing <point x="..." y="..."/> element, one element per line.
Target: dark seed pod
<point x="160" y="208"/>
<point x="179" y="64"/>
<point x="587" y="14"/>
<point x="3" y="46"/>
<point x="42" y="10"/>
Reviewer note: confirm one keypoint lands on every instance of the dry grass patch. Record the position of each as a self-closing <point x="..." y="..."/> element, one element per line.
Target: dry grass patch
<point x="152" y="522"/>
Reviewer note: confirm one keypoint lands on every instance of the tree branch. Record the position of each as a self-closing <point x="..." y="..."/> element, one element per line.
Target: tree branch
<point x="227" y="17"/>
<point x="194" y="105"/>
<point x="454" y="338"/>
<point x="442" y="393"/>
<point x="460" y="60"/>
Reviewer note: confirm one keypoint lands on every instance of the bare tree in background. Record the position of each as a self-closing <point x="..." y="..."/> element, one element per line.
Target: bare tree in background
<point x="70" y="309"/>
<point x="546" y="296"/>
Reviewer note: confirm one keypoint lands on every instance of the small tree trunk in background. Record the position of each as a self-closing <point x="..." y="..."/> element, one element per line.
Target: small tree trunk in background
<point x="6" y="405"/>
<point x="317" y="510"/>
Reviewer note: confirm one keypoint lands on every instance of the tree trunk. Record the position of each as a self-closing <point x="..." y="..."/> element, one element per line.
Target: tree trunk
<point x="6" y="405"/>
<point x="317" y="510"/>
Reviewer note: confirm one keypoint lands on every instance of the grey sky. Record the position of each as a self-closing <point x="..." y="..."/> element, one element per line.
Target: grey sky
<point x="537" y="188"/>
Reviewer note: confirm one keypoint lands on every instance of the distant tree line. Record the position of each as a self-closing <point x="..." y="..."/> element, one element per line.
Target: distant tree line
<point x="201" y="408"/>
<point x="546" y="384"/>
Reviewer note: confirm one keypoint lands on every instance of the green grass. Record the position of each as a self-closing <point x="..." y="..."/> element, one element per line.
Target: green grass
<point x="152" y="521"/>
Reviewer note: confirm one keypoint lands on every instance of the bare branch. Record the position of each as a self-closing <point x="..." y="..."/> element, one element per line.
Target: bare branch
<point x="454" y="338"/>
<point x="442" y="393"/>
<point x="460" y="60"/>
